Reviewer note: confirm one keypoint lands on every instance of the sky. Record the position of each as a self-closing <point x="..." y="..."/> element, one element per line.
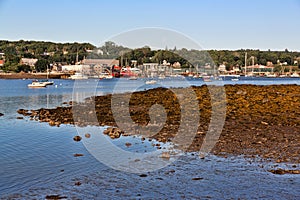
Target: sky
<point x="213" y="24"/>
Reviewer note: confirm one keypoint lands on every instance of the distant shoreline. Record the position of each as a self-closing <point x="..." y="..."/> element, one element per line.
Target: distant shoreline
<point x="32" y="76"/>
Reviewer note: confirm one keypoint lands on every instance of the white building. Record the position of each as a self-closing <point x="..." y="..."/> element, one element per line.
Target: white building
<point x="222" y="68"/>
<point x="76" y="68"/>
<point x="28" y="61"/>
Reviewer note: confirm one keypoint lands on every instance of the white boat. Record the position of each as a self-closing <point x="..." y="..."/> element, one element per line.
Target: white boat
<point x="151" y="82"/>
<point x="105" y="76"/>
<point x="161" y="76"/>
<point x="133" y="78"/>
<point x="235" y="79"/>
<point x="271" y="75"/>
<point x="230" y="75"/>
<point x="206" y="78"/>
<point x="47" y="82"/>
<point x="37" y="84"/>
<point x="78" y="76"/>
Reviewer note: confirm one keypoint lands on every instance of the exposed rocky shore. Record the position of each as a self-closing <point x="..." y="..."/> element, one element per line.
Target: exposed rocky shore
<point x="260" y="120"/>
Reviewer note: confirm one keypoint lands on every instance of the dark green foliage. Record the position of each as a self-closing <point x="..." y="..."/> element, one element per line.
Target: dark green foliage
<point x="23" y="68"/>
<point x="41" y="65"/>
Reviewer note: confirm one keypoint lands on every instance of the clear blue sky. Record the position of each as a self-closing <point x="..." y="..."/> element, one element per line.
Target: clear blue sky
<point x="214" y="24"/>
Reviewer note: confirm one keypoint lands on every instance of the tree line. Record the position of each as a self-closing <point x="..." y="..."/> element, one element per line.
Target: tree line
<point x="67" y="53"/>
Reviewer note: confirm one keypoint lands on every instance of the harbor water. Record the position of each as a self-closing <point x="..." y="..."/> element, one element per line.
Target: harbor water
<point x="37" y="160"/>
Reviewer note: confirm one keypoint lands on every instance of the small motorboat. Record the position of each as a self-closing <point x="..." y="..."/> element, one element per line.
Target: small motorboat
<point x="47" y="82"/>
<point x="78" y="76"/>
<point x="37" y="84"/>
<point x="206" y="78"/>
<point x="133" y="78"/>
<point x="151" y="82"/>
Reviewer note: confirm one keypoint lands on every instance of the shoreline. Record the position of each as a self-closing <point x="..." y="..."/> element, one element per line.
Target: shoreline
<point x="32" y="76"/>
<point x="260" y="120"/>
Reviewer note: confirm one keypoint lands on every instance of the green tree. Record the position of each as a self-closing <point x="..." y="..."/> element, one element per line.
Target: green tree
<point x="41" y="65"/>
<point x="24" y="68"/>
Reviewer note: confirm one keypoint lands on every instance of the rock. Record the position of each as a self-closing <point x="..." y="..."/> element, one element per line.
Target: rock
<point x="78" y="155"/>
<point x="165" y="155"/>
<point x="55" y="197"/>
<point x="113" y="132"/>
<point x="77" y="183"/>
<point x="197" y="179"/>
<point x="283" y="171"/>
<point x="57" y="124"/>
<point x="22" y="111"/>
<point x="260" y="120"/>
<point x="87" y="135"/>
<point x="52" y="123"/>
<point x="128" y="144"/>
<point x="143" y="175"/>
<point x="77" y="138"/>
<point x="1" y="114"/>
<point x="20" y="117"/>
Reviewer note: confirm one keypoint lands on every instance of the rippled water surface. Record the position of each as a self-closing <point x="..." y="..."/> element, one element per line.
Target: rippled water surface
<point x="37" y="160"/>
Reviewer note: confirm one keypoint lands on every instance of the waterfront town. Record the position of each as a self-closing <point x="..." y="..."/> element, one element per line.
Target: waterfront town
<point x="24" y="59"/>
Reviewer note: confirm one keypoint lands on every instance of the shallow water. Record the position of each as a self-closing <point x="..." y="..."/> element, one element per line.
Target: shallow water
<point x="37" y="160"/>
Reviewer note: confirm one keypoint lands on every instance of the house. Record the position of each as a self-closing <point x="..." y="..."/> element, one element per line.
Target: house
<point x="1" y="63"/>
<point x="28" y="61"/>
<point x="86" y="69"/>
<point x="101" y="62"/>
<point x="222" y="68"/>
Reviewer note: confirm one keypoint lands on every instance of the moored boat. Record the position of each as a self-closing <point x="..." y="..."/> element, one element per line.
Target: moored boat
<point x="78" y="76"/>
<point x="37" y="84"/>
<point x="47" y="82"/>
<point x="151" y="82"/>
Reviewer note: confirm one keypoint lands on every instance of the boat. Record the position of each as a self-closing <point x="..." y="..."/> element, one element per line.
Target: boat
<point x="161" y="76"/>
<point x="235" y="79"/>
<point x="47" y="82"/>
<point x="133" y="78"/>
<point x="78" y="76"/>
<point x="37" y="84"/>
<point x="105" y="76"/>
<point x="151" y="82"/>
<point x="206" y="78"/>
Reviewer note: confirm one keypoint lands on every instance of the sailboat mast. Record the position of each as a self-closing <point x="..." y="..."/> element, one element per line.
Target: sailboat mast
<point x="245" y="63"/>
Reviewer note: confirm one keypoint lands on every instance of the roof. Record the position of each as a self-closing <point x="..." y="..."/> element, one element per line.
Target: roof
<point x="100" y="61"/>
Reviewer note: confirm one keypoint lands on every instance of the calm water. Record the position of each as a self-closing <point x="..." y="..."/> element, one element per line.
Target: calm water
<point x="37" y="160"/>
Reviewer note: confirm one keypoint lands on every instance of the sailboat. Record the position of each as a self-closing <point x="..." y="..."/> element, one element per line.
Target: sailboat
<point x="47" y="82"/>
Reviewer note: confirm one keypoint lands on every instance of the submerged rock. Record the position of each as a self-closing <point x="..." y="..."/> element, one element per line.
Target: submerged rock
<point x="78" y="155"/>
<point x="113" y="132"/>
<point x="284" y="171"/>
<point x="55" y="197"/>
<point x="77" y="138"/>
